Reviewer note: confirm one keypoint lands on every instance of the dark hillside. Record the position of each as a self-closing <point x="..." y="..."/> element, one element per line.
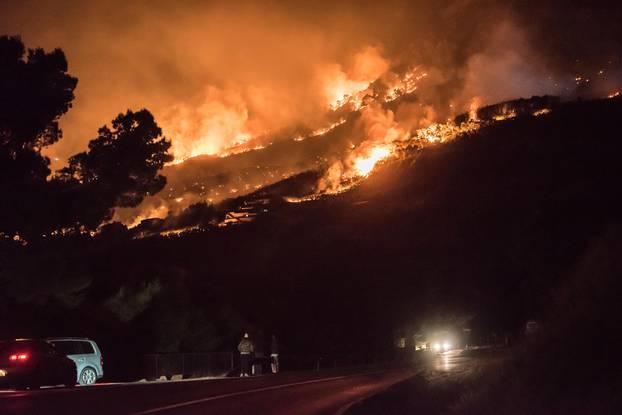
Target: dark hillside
<point x="489" y="224"/>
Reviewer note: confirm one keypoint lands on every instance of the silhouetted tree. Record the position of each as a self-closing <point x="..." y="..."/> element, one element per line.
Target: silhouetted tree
<point x="35" y="91"/>
<point x="119" y="169"/>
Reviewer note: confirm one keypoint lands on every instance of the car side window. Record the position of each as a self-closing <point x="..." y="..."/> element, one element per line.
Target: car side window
<point x="68" y="347"/>
<point x="87" y="348"/>
<point x="73" y="347"/>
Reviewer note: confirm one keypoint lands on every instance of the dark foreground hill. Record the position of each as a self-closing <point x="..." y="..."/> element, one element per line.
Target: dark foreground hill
<point x="486" y="228"/>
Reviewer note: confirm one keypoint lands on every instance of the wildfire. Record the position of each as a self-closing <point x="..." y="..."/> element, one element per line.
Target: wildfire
<point x="222" y="123"/>
<point x="320" y="131"/>
<point x="385" y="139"/>
<point x="223" y="126"/>
<point x="240" y="149"/>
<point x="441" y="133"/>
<point x="505" y="116"/>
<point x="217" y="123"/>
<point x="406" y="84"/>
<point x="543" y="111"/>
<point x="364" y="165"/>
<point x="344" y="91"/>
<point x="614" y="94"/>
<point x="149" y="212"/>
<point x="473" y="107"/>
<point x="349" y="87"/>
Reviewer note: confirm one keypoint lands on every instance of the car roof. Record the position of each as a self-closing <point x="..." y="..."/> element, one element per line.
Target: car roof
<point x="51" y="339"/>
<point x="21" y="343"/>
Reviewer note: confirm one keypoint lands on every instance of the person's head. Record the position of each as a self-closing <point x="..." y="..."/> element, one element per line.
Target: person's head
<point x="246" y="335"/>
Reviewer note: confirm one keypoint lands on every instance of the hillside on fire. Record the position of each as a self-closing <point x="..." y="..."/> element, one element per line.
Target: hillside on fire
<point x="484" y="230"/>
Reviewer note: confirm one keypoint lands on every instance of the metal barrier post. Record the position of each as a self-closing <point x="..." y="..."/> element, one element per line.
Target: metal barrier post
<point x="183" y="365"/>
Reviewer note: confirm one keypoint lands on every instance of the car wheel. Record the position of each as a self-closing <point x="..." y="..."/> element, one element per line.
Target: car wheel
<point x="88" y="376"/>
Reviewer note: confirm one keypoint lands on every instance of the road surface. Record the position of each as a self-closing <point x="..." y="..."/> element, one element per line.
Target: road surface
<point x="283" y="394"/>
<point x="441" y="385"/>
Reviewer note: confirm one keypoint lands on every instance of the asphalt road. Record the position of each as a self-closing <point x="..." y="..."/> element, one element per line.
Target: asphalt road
<point x="293" y="393"/>
<point x="444" y="383"/>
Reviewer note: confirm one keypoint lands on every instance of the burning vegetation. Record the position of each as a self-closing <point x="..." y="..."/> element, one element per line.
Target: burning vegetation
<point x="371" y="121"/>
<point x="383" y="140"/>
<point x="331" y="92"/>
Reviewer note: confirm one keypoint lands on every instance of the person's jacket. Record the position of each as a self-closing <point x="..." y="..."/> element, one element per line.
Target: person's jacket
<point x="274" y="346"/>
<point x="246" y="347"/>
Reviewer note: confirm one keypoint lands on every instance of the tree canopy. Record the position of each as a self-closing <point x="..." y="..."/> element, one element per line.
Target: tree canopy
<point x="119" y="169"/>
<point x="36" y="91"/>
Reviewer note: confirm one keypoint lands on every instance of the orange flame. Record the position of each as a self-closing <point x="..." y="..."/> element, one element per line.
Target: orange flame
<point x="349" y="87"/>
<point x="365" y="164"/>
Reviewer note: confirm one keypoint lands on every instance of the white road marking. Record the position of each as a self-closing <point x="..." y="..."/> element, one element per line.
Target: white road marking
<point x="230" y="395"/>
<point x="61" y="389"/>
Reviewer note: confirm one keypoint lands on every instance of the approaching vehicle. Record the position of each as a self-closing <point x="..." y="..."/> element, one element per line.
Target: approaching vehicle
<point x="442" y="341"/>
<point x="86" y="355"/>
<point x="27" y="363"/>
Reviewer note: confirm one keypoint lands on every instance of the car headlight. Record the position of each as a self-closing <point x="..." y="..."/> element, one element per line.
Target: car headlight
<point x="3" y="373"/>
<point x="446" y="346"/>
<point x="436" y="347"/>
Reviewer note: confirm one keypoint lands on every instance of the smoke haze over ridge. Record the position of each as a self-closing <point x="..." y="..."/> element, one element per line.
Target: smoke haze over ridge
<point x="221" y="73"/>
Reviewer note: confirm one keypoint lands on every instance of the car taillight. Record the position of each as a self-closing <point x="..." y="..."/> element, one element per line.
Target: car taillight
<point x="19" y="357"/>
<point x="101" y="361"/>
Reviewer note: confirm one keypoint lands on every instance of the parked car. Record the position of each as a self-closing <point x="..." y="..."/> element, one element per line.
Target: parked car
<point x="86" y="355"/>
<point x="29" y="363"/>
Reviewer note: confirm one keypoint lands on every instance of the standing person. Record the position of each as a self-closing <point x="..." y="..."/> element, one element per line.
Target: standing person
<point x="274" y="354"/>
<point x="246" y="348"/>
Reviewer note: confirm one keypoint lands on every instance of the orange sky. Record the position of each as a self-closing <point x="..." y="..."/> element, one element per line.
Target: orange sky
<point x="215" y="73"/>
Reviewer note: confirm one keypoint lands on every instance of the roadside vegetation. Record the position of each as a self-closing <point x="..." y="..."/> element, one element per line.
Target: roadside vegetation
<point x="572" y="366"/>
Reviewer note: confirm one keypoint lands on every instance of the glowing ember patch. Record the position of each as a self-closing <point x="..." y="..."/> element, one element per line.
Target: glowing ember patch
<point x="291" y="199"/>
<point x="505" y="116"/>
<point x="440" y="133"/>
<point x="365" y="165"/>
<point x="541" y="112"/>
<point x="614" y="94"/>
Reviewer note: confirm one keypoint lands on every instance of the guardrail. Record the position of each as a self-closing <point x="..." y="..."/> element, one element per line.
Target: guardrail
<point x="188" y="365"/>
<point x="219" y="364"/>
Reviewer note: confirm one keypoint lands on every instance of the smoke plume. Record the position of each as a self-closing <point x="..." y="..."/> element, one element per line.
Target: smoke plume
<point x="222" y="78"/>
